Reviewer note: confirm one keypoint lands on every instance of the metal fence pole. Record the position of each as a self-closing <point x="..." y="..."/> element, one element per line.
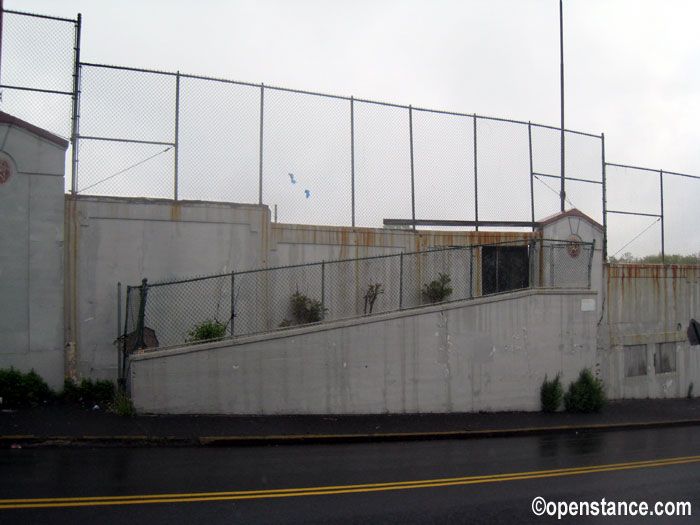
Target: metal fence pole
<point x="590" y="263"/>
<point x="663" y="247"/>
<point x="143" y="292"/>
<point x="400" y="281"/>
<point x="323" y="290"/>
<point x="476" y="182"/>
<point x="471" y="272"/>
<point x="177" y="131"/>
<point x="122" y="370"/>
<point x="75" y="128"/>
<point x="532" y="187"/>
<point x="233" y="301"/>
<point x="120" y="356"/>
<point x="605" y="201"/>
<point x="262" y="106"/>
<point x="413" y="188"/>
<point x="562" y="194"/>
<point x="352" y="158"/>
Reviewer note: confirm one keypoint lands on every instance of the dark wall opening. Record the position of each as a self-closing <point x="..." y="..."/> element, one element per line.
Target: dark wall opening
<point x="504" y="268"/>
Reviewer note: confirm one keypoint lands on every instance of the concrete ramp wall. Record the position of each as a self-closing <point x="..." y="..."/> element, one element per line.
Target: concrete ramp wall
<point x="486" y="354"/>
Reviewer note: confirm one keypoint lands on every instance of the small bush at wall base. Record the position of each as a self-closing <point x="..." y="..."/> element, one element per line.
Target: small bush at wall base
<point x="18" y="389"/>
<point x="551" y="394"/>
<point x="206" y="330"/>
<point x="122" y="405"/>
<point x="88" y="391"/>
<point x="586" y="394"/>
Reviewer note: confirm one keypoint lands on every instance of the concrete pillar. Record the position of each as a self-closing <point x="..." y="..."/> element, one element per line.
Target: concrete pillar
<point x="32" y="164"/>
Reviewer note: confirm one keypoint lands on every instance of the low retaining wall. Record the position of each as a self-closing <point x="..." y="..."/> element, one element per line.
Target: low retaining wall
<point x="486" y="354"/>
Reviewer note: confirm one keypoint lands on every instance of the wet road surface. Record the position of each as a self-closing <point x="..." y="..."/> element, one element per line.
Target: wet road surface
<point x="452" y="481"/>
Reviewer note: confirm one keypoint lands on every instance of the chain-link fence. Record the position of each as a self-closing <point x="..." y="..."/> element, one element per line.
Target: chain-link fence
<point x="38" y="72"/>
<point x="321" y="159"/>
<point x="173" y="313"/>
<point x="315" y="158"/>
<point x="642" y="221"/>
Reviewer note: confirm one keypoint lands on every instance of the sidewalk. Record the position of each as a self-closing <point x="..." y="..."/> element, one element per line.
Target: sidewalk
<point x="61" y="425"/>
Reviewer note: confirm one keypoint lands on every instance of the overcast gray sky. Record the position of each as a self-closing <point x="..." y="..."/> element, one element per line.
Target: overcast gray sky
<point x="631" y="66"/>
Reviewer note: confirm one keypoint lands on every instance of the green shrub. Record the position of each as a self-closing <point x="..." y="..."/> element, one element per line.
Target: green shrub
<point x="438" y="290"/>
<point x="88" y="391"/>
<point x="306" y="310"/>
<point x="206" y="330"/>
<point x="122" y="405"/>
<point x="71" y="391"/>
<point x="586" y="394"/>
<point x="551" y="393"/>
<point x="18" y="389"/>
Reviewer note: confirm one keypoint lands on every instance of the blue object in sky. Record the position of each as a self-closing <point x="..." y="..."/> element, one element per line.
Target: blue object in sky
<point x="307" y="193"/>
<point x="291" y="176"/>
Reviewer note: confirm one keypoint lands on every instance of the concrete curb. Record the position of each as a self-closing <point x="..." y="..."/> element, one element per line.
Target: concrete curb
<point x="30" y="440"/>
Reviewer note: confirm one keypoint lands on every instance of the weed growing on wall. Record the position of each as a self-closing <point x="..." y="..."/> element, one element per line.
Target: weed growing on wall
<point x="373" y="292"/>
<point x="551" y="393"/>
<point x="306" y="310"/>
<point x="438" y="290"/>
<point x="206" y="330"/>
<point x="586" y="394"/>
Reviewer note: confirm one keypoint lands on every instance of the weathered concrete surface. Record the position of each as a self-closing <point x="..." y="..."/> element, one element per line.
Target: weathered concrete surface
<point x="649" y="306"/>
<point x="112" y="240"/>
<point x="31" y="250"/>
<point x="487" y="354"/>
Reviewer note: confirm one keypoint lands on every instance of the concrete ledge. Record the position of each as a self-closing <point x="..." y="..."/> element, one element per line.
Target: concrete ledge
<point x="296" y="331"/>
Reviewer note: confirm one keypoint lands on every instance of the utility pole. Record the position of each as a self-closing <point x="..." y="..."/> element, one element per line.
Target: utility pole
<point x="562" y="192"/>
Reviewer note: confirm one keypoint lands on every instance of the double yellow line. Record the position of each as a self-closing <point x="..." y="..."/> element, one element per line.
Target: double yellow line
<point x="340" y="489"/>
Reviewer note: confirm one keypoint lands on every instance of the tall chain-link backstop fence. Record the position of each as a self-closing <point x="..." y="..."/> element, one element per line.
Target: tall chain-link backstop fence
<point x="316" y="158"/>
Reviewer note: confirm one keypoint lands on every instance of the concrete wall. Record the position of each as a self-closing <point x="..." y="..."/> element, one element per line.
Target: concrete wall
<point x="488" y="354"/>
<point x="648" y="309"/>
<point x="31" y="250"/>
<point x="112" y="240"/>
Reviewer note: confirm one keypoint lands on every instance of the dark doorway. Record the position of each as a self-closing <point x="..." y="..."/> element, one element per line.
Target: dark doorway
<point x="504" y="268"/>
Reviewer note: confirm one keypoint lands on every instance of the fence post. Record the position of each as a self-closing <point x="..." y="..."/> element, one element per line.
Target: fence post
<point x="401" y="281"/>
<point x="413" y="187"/>
<point x="471" y="272"/>
<point x="352" y="158"/>
<point x="605" y="201"/>
<point x="531" y="262"/>
<point x="590" y="263"/>
<point x="122" y="370"/>
<point x="177" y="131"/>
<point x="143" y="292"/>
<point x="532" y="187"/>
<point x="75" y="128"/>
<point x="476" y="182"/>
<point x="119" y="328"/>
<point x="323" y="290"/>
<point x="262" y="105"/>
<point x="233" y="301"/>
<point x="663" y="248"/>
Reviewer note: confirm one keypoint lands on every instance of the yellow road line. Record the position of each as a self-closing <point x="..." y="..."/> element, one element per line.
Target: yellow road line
<point x="339" y="489"/>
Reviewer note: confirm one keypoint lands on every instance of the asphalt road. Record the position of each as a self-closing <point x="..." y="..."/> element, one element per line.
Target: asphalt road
<point x="461" y="481"/>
